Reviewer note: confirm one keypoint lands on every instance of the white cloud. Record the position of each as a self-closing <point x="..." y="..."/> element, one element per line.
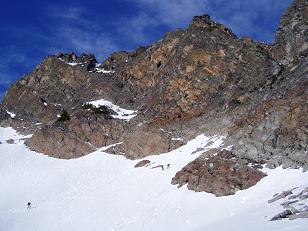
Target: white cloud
<point x="84" y="41"/>
<point x="151" y="15"/>
<point x="11" y="57"/>
<point x="74" y="32"/>
<point x="173" y="12"/>
<point x="136" y="29"/>
<point x="72" y="29"/>
<point x="241" y="16"/>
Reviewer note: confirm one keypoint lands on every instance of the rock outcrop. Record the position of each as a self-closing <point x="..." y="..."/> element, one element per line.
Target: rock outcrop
<point x="203" y="79"/>
<point x="142" y="163"/>
<point x="292" y="34"/>
<point x="275" y="128"/>
<point x="294" y="203"/>
<point x="221" y="175"/>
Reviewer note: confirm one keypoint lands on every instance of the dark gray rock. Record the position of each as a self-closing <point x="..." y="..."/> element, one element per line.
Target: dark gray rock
<point x="298" y="215"/>
<point x="142" y="163"/>
<point x="10" y="141"/>
<point x="85" y="60"/>
<point x="280" y="196"/>
<point x="292" y="34"/>
<point x="282" y="215"/>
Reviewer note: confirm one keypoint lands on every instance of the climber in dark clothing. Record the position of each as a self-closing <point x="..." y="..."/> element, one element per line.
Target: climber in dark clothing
<point x="29" y="205"/>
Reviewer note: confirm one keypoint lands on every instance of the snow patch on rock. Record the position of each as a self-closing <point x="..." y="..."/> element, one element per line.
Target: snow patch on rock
<point x="102" y="70"/>
<point x="122" y="114"/>
<point x="13" y="115"/>
<point x="71" y="63"/>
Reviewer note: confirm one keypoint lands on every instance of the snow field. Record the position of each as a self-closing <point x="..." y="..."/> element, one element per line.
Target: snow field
<point x="105" y="192"/>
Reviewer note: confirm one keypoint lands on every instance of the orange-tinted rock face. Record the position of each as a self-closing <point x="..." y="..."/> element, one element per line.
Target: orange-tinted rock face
<point x="202" y="79"/>
<point x="189" y="69"/>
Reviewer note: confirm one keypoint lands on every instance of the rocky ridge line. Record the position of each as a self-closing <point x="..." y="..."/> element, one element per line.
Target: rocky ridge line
<point x="203" y="79"/>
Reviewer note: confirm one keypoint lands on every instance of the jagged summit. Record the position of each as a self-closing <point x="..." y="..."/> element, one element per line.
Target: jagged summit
<point x="205" y="22"/>
<point x="87" y="60"/>
<point x="202" y="21"/>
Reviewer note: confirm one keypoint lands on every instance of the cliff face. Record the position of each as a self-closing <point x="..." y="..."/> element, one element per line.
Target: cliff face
<point x="291" y="36"/>
<point x="276" y="128"/>
<point x="199" y="80"/>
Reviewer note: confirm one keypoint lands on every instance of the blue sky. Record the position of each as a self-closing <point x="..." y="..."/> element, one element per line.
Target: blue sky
<point x="30" y="30"/>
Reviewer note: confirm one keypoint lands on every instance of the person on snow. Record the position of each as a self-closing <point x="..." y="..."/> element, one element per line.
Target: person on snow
<point x="29" y="205"/>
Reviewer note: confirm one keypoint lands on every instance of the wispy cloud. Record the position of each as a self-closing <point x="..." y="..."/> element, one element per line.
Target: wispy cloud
<point x="74" y="28"/>
<point x="138" y="29"/>
<point x="80" y="40"/>
<point x="10" y="59"/>
<point x="242" y="16"/>
<point x="172" y="12"/>
<point x="73" y="31"/>
<point x="72" y="12"/>
<point x="153" y="15"/>
<point x="257" y="18"/>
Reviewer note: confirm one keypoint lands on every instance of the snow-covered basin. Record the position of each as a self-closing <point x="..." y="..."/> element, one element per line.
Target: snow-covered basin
<point x="124" y="114"/>
<point x="105" y="192"/>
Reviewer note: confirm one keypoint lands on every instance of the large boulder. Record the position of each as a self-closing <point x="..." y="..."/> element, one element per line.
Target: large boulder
<point x="221" y="175"/>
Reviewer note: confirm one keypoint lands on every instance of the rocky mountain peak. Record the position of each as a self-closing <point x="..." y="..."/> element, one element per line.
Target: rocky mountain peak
<point x="200" y="80"/>
<point x="201" y="21"/>
<point x="87" y="60"/>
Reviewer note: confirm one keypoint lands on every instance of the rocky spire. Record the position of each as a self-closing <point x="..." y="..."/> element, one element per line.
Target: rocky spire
<point x="87" y="60"/>
<point x="201" y="21"/>
<point x="205" y="22"/>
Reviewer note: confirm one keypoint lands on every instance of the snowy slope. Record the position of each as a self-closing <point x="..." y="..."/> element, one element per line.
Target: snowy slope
<point x="105" y="192"/>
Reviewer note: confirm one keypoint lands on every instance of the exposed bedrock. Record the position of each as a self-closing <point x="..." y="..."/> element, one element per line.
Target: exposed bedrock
<point x="202" y="79"/>
<point x="222" y="174"/>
